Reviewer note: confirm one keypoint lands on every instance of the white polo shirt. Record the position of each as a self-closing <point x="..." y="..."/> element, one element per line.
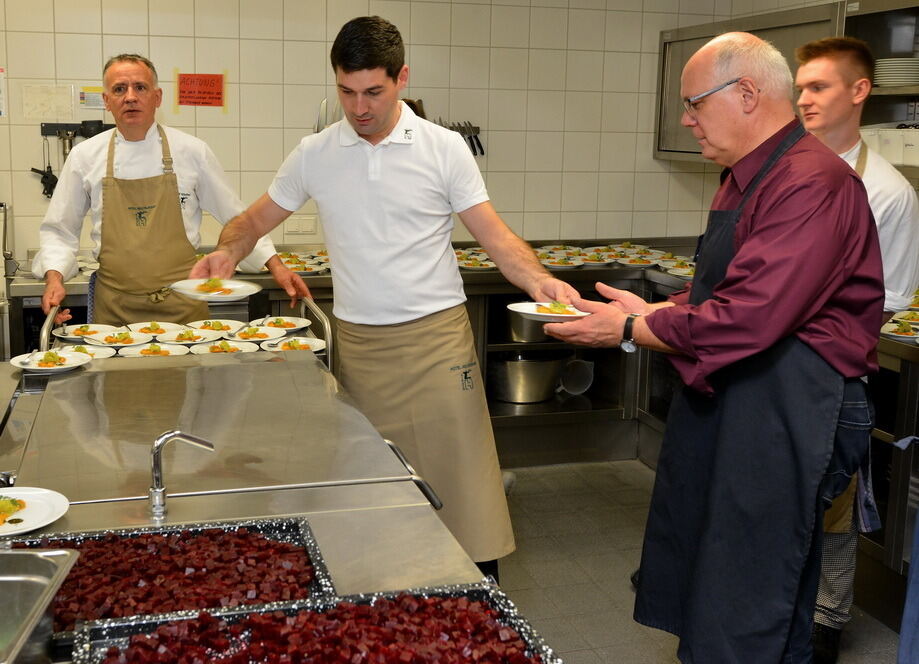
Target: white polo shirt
<point x="386" y="213"/>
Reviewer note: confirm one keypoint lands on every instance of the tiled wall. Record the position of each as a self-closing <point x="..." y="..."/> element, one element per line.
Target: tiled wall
<point x="564" y="90"/>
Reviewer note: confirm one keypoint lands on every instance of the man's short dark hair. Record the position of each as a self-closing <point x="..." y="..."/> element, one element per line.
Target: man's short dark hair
<point x="368" y="42"/>
<point x="131" y="57"/>
<point x="855" y="50"/>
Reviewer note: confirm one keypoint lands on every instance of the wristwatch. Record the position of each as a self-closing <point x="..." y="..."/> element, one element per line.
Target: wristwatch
<point x="627" y="344"/>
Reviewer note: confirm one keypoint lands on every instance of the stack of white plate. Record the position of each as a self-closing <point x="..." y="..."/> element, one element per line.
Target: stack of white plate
<point x="896" y="71"/>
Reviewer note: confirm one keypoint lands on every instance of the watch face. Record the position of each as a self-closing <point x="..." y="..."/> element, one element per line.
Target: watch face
<point x="628" y="346"/>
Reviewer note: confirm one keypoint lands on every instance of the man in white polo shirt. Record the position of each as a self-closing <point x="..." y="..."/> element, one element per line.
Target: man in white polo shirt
<point x="386" y="183"/>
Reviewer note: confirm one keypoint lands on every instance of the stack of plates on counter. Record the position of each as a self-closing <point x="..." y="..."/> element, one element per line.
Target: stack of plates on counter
<point x="896" y="71"/>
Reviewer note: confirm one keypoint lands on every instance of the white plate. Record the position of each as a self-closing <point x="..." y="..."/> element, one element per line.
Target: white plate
<point x="604" y="260"/>
<point x="138" y="339"/>
<point x="135" y="351"/>
<point x="43" y="506"/>
<point x="66" y="331"/>
<point x="631" y="246"/>
<point x="206" y="335"/>
<point x="313" y="343"/>
<point x="667" y="263"/>
<point x="556" y="248"/>
<point x="74" y="360"/>
<point x="887" y="330"/>
<point x="96" y="352"/>
<point x="298" y="323"/>
<point x="168" y="327"/>
<point x="598" y="249"/>
<point x="904" y="315"/>
<point x="243" y="346"/>
<point x="686" y="272"/>
<point x="482" y="265"/>
<point x="552" y="264"/>
<point x="626" y="261"/>
<point x="234" y="324"/>
<point x="528" y="310"/>
<point x="239" y="290"/>
<point x="319" y="268"/>
<point x="272" y="332"/>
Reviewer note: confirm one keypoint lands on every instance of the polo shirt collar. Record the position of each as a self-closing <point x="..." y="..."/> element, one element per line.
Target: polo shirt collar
<point x="405" y="131"/>
<point x="746" y="169"/>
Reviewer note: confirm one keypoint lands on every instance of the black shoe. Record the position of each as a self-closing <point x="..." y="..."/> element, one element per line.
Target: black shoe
<point x="826" y="644"/>
<point x="634" y="579"/>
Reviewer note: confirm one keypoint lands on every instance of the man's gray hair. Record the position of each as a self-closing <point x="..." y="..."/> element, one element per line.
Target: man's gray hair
<point x="741" y="54"/>
<point x="136" y="59"/>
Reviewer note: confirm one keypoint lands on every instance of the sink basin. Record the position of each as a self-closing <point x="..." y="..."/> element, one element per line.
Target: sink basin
<point x="28" y="582"/>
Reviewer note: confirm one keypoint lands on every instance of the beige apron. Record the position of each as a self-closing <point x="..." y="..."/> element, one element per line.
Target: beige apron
<point x="838" y="517"/>
<point x="420" y="385"/>
<point x="143" y="249"/>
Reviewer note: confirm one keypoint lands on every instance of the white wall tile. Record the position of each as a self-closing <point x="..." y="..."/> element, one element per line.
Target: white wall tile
<point x="27" y="198"/>
<point x="644" y="156"/>
<point x="614" y="225"/>
<point x="253" y="184"/>
<point x="620" y="72"/>
<point x="548" y="27"/>
<point x="224" y="141"/>
<point x="118" y="44"/>
<point x="304" y="19"/>
<point x="648" y="73"/>
<point x="217" y="56"/>
<point x="671" y="6"/>
<point x="583" y="111"/>
<point x="261" y="149"/>
<point x="579" y="225"/>
<point x="221" y="116"/>
<point x="261" y="19"/>
<point x="169" y="113"/>
<point x="651" y="190"/>
<point x="170" y="54"/>
<point x="623" y="5"/>
<point x="685" y="191"/>
<point x="741" y="7"/>
<point x="587" y="4"/>
<point x="216" y="18"/>
<point x="649" y="224"/>
<point x="615" y="191"/>
<point x="508" y="68"/>
<point x="25" y="149"/>
<point x="545" y="111"/>
<point x="647" y="111"/>
<point x="25" y="235"/>
<point x="430" y="23"/>
<point x="261" y="105"/>
<point x="623" y="31"/>
<point x="514" y="221"/>
<point x="78" y="56"/>
<point x="510" y="26"/>
<point x="14" y="106"/>
<point x="579" y="191"/>
<point x="651" y="27"/>
<point x="547" y="69"/>
<point x="292" y="138"/>
<point x="617" y="151"/>
<point x="30" y="55"/>
<point x="544" y="150"/>
<point x="173" y="18"/>
<point x="584" y="70"/>
<point x="437" y="102"/>
<point x="301" y="105"/>
<point x="429" y="66"/>
<point x="460" y="232"/>
<point x="306" y="62"/>
<point x="542" y="192"/>
<point x="683" y="222"/>
<point x="340" y="12"/>
<point x="397" y="12"/>
<point x="470" y="25"/>
<point x="506" y="150"/>
<point x="125" y="17"/>
<point x="586" y="29"/>
<point x="261" y="61"/>
<point x="582" y="151"/>
<point x="84" y="16"/>
<point x="506" y="109"/>
<point x="506" y="191"/>
<point x="5" y="148"/>
<point x="469" y="105"/>
<point x="541" y="225"/>
<point x="469" y="67"/>
<point x="37" y="15"/>
<point x="619" y="111"/>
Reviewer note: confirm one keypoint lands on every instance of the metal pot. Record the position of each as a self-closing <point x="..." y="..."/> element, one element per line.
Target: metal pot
<point x="526" y="376"/>
<point x="526" y="329"/>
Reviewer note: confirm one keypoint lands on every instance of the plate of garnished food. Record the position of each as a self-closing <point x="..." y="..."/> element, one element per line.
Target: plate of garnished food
<point x="51" y="361"/>
<point x="685" y="272"/>
<point x="154" y="350"/>
<point x="222" y="325"/>
<point x="215" y="290"/>
<point x="628" y="245"/>
<point x="911" y="317"/>
<point x="914" y="304"/>
<point x="900" y="330"/>
<point x="190" y="336"/>
<point x="259" y="333"/>
<point x="637" y="261"/>
<point x="294" y="343"/>
<point x="82" y="330"/>
<point x="155" y="327"/>
<point x="226" y="346"/>
<point x="94" y="351"/>
<point x="562" y="263"/>
<point x="122" y="338"/>
<point x="286" y="323"/>
<point x="476" y="264"/>
<point x="597" y="258"/>
<point x="25" y="508"/>
<point x="547" y="312"/>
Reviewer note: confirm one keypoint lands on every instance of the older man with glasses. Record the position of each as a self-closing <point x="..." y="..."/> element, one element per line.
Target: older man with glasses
<point x="771" y="340"/>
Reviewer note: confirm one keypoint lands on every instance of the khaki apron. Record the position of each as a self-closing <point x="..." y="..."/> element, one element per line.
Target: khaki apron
<point x="420" y="385"/>
<point x="838" y="517"/>
<point x="143" y="249"/>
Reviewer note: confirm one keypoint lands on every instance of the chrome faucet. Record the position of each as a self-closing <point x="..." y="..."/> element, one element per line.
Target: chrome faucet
<point x="157" y="492"/>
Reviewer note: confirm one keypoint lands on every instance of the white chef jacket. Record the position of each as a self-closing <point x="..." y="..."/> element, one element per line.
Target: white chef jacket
<point x="386" y="214"/>
<point x="895" y="207"/>
<point x="201" y="180"/>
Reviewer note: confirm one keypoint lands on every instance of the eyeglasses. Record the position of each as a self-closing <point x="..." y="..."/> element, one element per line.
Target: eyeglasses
<point x="689" y="103"/>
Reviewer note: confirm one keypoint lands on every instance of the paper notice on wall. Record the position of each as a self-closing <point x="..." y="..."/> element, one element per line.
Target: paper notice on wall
<point x="200" y="89"/>
<point x="91" y="97"/>
<point x="3" y="112"/>
<point x="52" y="103"/>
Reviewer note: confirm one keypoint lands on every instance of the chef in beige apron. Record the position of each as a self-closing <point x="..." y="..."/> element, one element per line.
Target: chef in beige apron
<point x="144" y="248"/>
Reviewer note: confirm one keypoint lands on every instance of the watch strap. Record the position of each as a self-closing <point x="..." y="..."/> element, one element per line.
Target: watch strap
<point x="627" y="334"/>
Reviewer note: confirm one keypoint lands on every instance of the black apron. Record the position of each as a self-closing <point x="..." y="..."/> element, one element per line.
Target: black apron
<point x="731" y="553"/>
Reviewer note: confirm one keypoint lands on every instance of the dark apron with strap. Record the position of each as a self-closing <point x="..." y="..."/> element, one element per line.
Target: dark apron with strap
<point x="729" y="554"/>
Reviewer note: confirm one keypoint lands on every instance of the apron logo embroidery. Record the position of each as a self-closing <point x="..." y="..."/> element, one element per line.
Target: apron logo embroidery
<point x="182" y="199"/>
<point x="140" y="214"/>
<point x="407" y="134"/>
<point x="465" y="376"/>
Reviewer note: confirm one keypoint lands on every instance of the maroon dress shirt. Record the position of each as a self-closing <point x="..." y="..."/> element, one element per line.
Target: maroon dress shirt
<point x="807" y="262"/>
